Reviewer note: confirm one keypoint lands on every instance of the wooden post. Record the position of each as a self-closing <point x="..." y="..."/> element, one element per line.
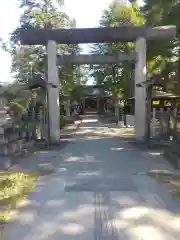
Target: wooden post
<point x="174" y="130"/>
<point x="168" y="120"/>
<point x="154" y="122"/>
<point x="161" y="120"/>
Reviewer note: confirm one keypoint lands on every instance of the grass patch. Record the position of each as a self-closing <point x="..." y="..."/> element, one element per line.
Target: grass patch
<point x="14" y="188"/>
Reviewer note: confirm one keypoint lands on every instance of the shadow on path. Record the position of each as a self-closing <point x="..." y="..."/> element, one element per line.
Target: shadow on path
<point x="97" y="192"/>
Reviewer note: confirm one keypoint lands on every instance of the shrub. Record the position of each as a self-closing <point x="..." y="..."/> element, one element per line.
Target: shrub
<point x="16" y="108"/>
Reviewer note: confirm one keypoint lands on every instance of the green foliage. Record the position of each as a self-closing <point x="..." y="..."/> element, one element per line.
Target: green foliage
<point x="15" y="93"/>
<point x="117" y="14"/>
<point x="77" y="93"/>
<point x="16" y="108"/>
<point x="164" y="56"/>
<point x="27" y="60"/>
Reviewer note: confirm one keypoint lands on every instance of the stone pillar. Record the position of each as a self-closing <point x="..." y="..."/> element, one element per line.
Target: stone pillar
<point x="54" y="108"/>
<point x="140" y="93"/>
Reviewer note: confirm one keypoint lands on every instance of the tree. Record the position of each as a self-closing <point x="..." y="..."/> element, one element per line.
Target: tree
<point x="115" y="15"/>
<point x="28" y="60"/>
<point x="163" y="57"/>
<point x="37" y="13"/>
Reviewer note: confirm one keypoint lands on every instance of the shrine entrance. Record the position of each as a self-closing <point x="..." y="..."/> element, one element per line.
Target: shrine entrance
<point x="91" y="104"/>
<point x="138" y="34"/>
<point x="95" y="98"/>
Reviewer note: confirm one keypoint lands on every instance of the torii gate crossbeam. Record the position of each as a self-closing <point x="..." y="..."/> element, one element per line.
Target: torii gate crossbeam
<point x="84" y="59"/>
<point x="38" y="36"/>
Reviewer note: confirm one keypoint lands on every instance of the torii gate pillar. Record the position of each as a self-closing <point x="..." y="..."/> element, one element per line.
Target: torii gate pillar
<point x="53" y="93"/>
<point x="140" y="93"/>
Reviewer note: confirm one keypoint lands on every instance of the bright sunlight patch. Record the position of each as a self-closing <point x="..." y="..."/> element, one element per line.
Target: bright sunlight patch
<point x="14" y="188"/>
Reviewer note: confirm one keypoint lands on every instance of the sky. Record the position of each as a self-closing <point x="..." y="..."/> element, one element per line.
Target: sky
<point x="87" y="14"/>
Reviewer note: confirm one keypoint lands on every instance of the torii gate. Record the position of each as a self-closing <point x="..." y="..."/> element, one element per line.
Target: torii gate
<point x="85" y="59"/>
<point x="51" y="37"/>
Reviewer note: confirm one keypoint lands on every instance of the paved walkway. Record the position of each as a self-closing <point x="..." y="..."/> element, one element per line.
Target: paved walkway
<point x="98" y="192"/>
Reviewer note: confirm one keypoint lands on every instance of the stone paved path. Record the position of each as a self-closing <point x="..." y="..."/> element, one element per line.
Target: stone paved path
<point x="98" y="193"/>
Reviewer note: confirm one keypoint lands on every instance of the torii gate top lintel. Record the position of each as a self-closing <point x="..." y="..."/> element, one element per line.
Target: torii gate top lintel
<point x="40" y="36"/>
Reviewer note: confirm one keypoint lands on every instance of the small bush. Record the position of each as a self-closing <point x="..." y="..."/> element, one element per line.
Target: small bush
<point x="16" y="108"/>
